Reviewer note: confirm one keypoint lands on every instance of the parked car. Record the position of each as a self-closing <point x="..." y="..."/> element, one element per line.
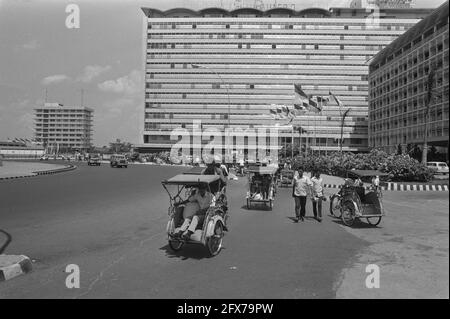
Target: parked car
<point x="439" y="167"/>
<point x="94" y="160"/>
<point x="44" y="158"/>
<point x="118" y="160"/>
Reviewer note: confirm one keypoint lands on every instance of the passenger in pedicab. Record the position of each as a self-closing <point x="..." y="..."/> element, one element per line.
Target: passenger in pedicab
<point x="266" y="180"/>
<point x="194" y="212"/>
<point x="213" y="168"/>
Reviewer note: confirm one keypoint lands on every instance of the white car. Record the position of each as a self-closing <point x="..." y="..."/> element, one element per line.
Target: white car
<point x="439" y="167"/>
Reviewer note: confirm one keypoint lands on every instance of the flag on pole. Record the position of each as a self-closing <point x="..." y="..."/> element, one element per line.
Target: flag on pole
<point x="314" y="106"/>
<point x="336" y="99"/>
<point x="322" y="100"/>
<point x="299" y="92"/>
<point x="301" y="100"/>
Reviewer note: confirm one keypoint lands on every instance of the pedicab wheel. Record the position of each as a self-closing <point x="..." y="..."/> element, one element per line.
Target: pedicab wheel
<point x="374" y="221"/>
<point x="214" y="243"/>
<point x="175" y="245"/>
<point x="335" y="208"/>
<point x="348" y="214"/>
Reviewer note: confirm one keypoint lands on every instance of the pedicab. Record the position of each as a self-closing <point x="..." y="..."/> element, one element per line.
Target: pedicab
<point x="354" y="202"/>
<point x="286" y="178"/>
<point x="210" y="233"/>
<point x="261" y="186"/>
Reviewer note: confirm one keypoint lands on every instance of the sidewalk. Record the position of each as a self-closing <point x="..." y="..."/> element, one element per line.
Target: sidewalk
<point x="25" y="169"/>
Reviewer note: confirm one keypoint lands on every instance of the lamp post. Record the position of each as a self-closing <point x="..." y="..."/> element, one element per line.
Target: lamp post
<point x="343" y="116"/>
<point x="198" y="66"/>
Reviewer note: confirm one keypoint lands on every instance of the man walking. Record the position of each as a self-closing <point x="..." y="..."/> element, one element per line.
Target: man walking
<point x="301" y="187"/>
<point x="317" y="195"/>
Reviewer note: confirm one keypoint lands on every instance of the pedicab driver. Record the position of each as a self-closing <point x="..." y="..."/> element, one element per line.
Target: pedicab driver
<point x="195" y="210"/>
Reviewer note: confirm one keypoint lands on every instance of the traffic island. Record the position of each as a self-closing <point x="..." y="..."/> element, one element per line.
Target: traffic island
<point x="12" y="266"/>
<point x="13" y="170"/>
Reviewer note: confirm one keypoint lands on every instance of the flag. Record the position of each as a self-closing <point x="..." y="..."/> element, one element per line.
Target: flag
<point x="336" y="99"/>
<point x="314" y="106"/>
<point x="298" y="91"/>
<point x="300" y="97"/>
<point x="322" y="100"/>
<point x="299" y="109"/>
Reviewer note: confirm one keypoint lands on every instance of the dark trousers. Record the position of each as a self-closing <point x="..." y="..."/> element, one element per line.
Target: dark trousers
<point x="317" y="208"/>
<point x="300" y="206"/>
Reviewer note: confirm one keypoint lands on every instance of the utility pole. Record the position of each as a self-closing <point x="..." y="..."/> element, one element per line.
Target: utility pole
<point x="430" y="82"/>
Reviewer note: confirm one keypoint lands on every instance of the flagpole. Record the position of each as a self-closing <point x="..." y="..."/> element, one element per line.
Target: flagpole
<point x="292" y="142"/>
<point x="320" y="121"/>
<point x="307" y="136"/>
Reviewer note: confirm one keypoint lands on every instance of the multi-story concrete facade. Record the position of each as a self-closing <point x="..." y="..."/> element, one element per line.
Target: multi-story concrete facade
<point x="398" y="86"/>
<point x="64" y="127"/>
<point x="226" y="68"/>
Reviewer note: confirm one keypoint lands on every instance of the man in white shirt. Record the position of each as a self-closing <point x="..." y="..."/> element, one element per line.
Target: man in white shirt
<point x="203" y="198"/>
<point x="317" y="195"/>
<point x="302" y="186"/>
<point x="376" y="182"/>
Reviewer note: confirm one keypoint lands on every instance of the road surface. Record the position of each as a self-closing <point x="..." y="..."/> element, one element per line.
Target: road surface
<point x="111" y="223"/>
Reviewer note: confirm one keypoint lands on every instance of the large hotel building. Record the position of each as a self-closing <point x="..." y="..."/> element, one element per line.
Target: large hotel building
<point x="226" y="68"/>
<point x="398" y="87"/>
<point x="64" y="128"/>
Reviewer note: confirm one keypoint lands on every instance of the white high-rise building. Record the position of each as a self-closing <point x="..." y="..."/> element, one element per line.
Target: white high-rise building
<point x="64" y="128"/>
<point x="226" y="68"/>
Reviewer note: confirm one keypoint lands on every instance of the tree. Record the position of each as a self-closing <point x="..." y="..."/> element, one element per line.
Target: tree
<point x="120" y="147"/>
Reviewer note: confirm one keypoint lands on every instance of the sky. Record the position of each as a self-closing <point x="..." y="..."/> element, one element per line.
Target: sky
<point x="104" y="58"/>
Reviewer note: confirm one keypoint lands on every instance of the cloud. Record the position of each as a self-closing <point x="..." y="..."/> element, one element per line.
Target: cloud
<point x="17" y="120"/>
<point x="53" y="79"/>
<point x="30" y="45"/>
<point x="92" y="71"/>
<point x="129" y="84"/>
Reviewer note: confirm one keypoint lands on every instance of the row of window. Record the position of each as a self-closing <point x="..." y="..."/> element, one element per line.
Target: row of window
<point x="217" y="86"/>
<point x="411" y="134"/>
<point x="256" y="45"/>
<point x="361" y="25"/>
<point x="57" y="110"/>
<point x="296" y="36"/>
<point x="311" y="141"/>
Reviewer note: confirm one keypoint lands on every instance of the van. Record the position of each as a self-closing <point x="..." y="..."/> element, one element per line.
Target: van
<point x="118" y="160"/>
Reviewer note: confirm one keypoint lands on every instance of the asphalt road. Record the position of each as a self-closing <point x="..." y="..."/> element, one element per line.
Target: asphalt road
<point x="111" y="223"/>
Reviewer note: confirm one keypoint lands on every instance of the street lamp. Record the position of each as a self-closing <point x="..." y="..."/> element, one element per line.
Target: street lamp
<point x="343" y="116"/>
<point x="198" y="66"/>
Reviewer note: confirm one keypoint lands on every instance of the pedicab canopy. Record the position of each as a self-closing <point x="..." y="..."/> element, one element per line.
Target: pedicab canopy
<point x="191" y="179"/>
<point x="198" y="170"/>
<point x="263" y="170"/>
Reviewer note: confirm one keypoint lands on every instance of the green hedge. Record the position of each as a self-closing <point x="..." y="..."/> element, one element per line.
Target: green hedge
<point x="399" y="167"/>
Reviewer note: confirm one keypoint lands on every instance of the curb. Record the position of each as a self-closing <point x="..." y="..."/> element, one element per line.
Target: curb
<point x="38" y="173"/>
<point x="395" y="187"/>
<point x="21" y="267"/>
